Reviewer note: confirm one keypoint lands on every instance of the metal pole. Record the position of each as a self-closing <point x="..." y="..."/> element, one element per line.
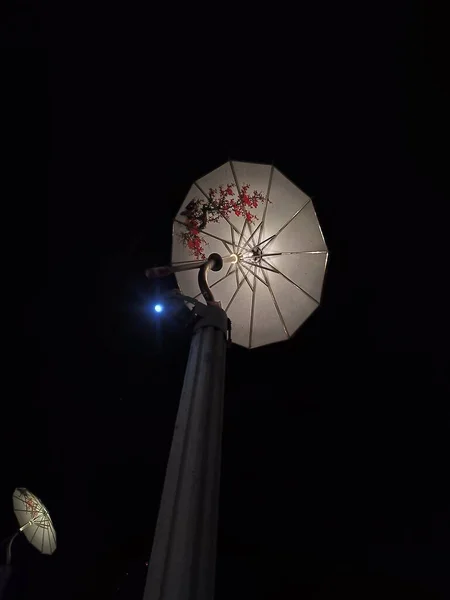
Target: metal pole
<point x="8" y="549"/>
<point x="5" y="575"/>
<point x="182" y="563"/>
<point x="6" y="570"/>
<point x="215" y="263"/>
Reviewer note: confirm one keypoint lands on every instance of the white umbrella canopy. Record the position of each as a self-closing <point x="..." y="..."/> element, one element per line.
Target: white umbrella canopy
<point x="255" y="212"/>
<point x="34" y="520"/>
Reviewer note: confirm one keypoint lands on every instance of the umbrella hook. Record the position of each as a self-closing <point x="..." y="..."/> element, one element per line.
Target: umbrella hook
<point x="214" y="263"/>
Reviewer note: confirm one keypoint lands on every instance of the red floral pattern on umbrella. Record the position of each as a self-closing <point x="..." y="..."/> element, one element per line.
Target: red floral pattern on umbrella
<point x="221" y="202"/>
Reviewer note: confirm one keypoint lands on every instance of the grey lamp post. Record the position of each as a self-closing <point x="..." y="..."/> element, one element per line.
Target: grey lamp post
<point x="182" y="563"/>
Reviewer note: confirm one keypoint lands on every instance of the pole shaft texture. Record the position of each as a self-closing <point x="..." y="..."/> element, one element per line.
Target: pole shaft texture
<point x="5" y="574"/>
<point x="182" y="564"/>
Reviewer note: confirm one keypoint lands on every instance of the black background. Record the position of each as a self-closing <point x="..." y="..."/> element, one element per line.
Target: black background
<point x="336" y="443"/>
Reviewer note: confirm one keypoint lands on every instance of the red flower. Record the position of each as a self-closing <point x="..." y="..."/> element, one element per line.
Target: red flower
<point x="221" y="202"/>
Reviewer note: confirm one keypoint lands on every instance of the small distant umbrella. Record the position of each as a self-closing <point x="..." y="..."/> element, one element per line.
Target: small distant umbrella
<point x="34" y="521"/>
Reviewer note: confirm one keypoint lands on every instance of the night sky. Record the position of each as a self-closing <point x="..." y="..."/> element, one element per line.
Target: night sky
<point x="335" y="443"/>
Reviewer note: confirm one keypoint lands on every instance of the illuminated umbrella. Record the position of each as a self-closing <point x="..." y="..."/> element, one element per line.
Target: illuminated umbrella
<point x="254" y="212"/>
<point x="34" y="521"/>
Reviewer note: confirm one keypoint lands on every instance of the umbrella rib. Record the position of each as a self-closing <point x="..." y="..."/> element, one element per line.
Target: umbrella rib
<point x="267" y="204"/>
<point x="43" y="540"/>
<point x="229" y="250"/>
<point x="249" y="225"/>
<point x="239" y="192"/>
<point x="265" y="208"/>
<point x="261" y="267"/>
<point x="32" y="538"/>
<point x="210" y="234"/>
<point x="234" y="176"/>
<point x="246" y="243"/>
<point x="252" y="314"/>
<point x="53" y="533"/>
<point x="276" y="304"/>
<point x="302" y="252"/>
<point x="234" y="295"/>
<point x="267" y="201"/>
<point x="221" y="214"/>
<point x="218" y="281"/>
<point x="207" y="233"/>
<point x="232" y="239"/>
<point x="268" y="240"/>
<point x="245" y="277"/>
<point x="257" y="276"/>
<point x="241" y="237"/>
<point x="290" y="281"/>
